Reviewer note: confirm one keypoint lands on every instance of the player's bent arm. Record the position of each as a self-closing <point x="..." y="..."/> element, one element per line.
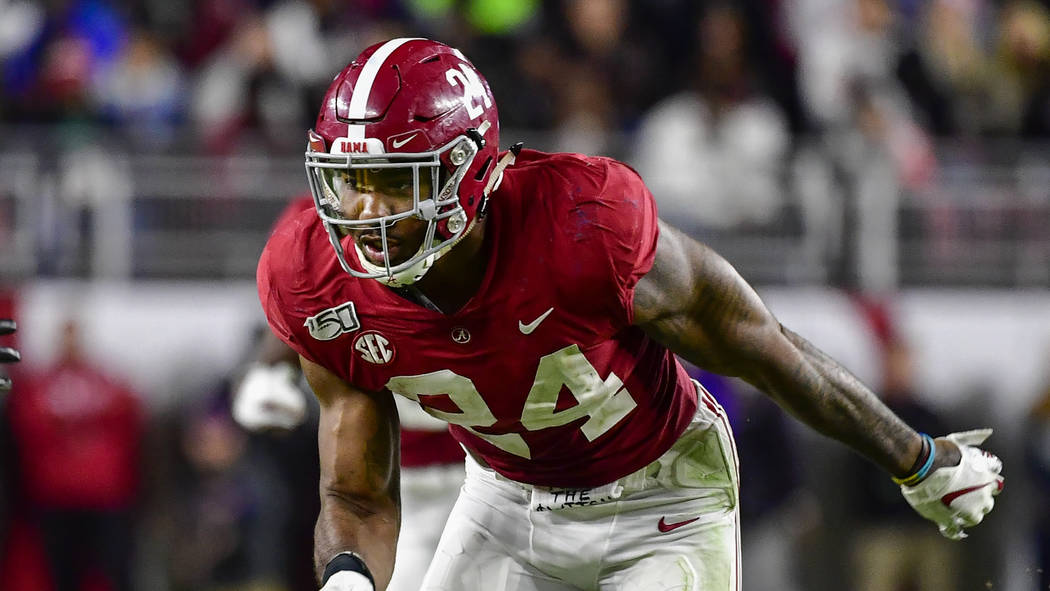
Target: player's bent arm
<point x="694" y="302"/>
<point x="358" y="443"/>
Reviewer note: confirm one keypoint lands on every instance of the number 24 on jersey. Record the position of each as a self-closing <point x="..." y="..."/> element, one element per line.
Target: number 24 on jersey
<point x="604" y="402"/>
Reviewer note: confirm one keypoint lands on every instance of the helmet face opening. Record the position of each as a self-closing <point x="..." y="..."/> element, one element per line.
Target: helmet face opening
<point x="412" y="123"/>
<point x="406" y="189"/>
<point x="416" y="185"/>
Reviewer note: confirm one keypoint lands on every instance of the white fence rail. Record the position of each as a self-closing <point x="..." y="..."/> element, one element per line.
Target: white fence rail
<point x="106" y="211"/>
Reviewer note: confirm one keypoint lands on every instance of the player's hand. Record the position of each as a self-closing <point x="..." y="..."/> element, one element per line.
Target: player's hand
<point x="267" y="398"/>
<point x="7" y="354"/>
<point x="348" y="580"/>
<point x="957" y="497"/>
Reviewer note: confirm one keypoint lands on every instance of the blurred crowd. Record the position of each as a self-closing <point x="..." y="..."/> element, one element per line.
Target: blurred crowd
<point x="712" y="101"/>
<point x="583" y="68"/>
<point x="797" y="117"/>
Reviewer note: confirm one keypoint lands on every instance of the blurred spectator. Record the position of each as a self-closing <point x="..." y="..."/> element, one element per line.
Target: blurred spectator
<point x="583" y="115"/>
<point x="949" y="42"/>
<point x="849" y="57"/>
<point x="51" y="66"/>
<point x="713" y="155"/>
<point x="142" y="90"/>
<point x="1037" y="453"/>
<point x="221" y="102"/>
<point x="625" y="43"/>
<point x="870" y="140"/>
<point x="1022" y="61"/>
<point x="892" y="549"/>
<point x="77" y="433"/>
<point x="208" y="26"/>
<point x="267" y="68"/>
<point x="231" y="506"/>
<point x="20" y="23"/>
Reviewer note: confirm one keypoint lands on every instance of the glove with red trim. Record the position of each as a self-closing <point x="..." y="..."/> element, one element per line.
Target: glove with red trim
<point x="957" y="497"/>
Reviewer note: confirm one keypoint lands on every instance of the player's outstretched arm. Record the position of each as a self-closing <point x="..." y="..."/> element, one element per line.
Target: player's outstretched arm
<point x="7" y="354"/>
<point x="360" y="506"/>
<point x="694" y="302"/>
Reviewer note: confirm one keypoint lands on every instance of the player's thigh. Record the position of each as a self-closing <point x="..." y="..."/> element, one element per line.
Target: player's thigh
<point x="700" y="556"/>
<point x="476" y="552"/>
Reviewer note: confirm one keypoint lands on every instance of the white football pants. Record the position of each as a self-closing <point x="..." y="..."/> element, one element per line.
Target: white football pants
<point x="427" y="496"/>
<point x="672" y="526"/>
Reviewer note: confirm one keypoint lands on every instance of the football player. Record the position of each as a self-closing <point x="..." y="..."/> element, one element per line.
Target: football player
<point x="536" y="302"/>
<point x="7" y="354"/>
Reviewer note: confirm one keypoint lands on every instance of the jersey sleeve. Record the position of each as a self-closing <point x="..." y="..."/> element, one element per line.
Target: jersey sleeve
<point x="614" y="230"/>
<point x="271" y="278"/>
<point x="630" y="231"/>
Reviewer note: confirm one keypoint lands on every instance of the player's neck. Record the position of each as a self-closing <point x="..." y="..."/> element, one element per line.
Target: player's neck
<point x="457" y="276"/>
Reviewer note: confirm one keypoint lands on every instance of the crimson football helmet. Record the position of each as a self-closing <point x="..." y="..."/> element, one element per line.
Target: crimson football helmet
<point x="413" y="119"/>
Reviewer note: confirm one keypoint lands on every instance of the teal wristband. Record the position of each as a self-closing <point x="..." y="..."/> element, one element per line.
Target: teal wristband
<point x="925" y="468"/>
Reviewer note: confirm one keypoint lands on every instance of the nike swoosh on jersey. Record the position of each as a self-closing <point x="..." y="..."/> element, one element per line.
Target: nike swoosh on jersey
<point x="665" y="527"/>
<point x="528" y="328"/>
<point x="402" y="141"/>
<point x="948" y="498"/>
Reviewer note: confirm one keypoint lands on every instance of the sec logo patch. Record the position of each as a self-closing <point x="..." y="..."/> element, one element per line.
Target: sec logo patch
<point x="374" y="347"/>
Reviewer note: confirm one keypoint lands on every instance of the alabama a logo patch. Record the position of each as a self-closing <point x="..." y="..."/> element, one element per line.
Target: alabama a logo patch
<point x="374" y="347"/>
<point x="333" y="322"/>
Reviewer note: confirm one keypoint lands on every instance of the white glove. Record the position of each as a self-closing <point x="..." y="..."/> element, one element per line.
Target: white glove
<point x="348" y="580"/>
<point x="267" y="398"/>
<point x="957" y="497"/>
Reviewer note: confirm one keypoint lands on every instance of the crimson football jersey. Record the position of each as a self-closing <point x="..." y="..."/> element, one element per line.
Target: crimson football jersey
<point x="541" y="373"/>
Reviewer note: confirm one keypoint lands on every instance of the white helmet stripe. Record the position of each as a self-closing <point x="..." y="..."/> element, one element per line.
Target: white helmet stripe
<point x="363" y="88"/>
<point x="354" y="132"/>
